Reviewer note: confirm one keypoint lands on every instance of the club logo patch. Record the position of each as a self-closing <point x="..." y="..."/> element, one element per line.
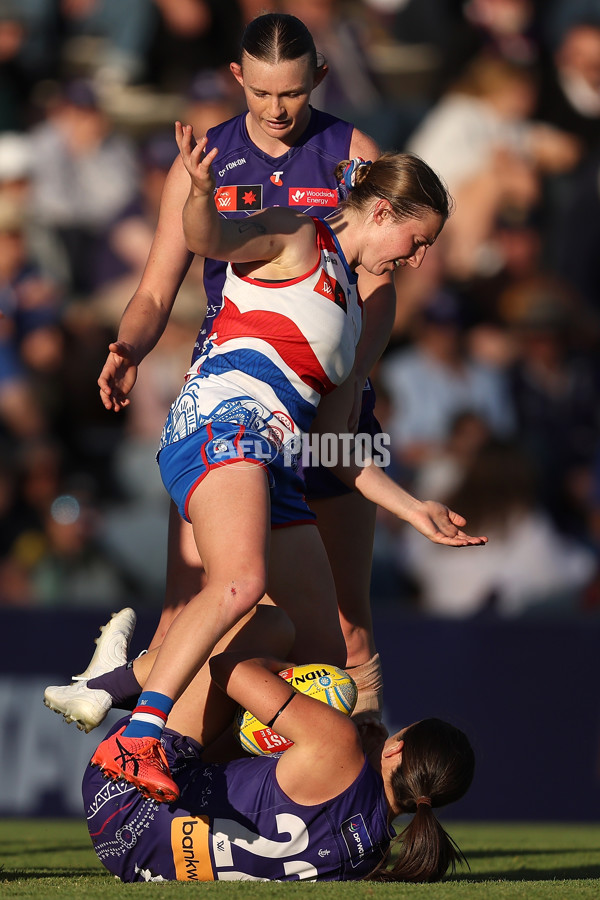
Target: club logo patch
<point x="329" y="288"/>
<point x="239" y="198"/>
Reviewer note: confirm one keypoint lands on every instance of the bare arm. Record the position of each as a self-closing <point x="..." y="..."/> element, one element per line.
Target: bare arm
<point x="440" y="524"/>
<point x="147" y="313"/>
<point x="279" y="236"/>
<point x="377" y="292"/>
<point x="379" y="297"/>
<point x="306" y="773"/>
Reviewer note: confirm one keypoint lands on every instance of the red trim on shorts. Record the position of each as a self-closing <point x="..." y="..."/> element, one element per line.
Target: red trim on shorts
<point x="217" y="465"/>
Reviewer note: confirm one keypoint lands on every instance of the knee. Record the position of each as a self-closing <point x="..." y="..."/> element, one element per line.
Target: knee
<point x="243" y="593"/>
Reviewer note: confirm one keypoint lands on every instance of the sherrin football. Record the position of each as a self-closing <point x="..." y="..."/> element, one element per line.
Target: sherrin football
<point x="323" y="682"/>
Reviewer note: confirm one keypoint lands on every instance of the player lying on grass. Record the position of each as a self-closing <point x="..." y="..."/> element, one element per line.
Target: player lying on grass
<point x="321" y="811"/>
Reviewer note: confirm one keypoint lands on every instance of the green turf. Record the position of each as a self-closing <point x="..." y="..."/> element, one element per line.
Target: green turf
<point x="46" y="859"/>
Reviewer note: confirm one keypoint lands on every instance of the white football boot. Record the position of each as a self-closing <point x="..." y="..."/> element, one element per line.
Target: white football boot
<point x="85" y="706"/>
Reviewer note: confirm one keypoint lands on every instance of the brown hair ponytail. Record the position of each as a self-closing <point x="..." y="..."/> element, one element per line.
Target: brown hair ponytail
<point x="437" y="768"/>
<point x="403" y="179"/>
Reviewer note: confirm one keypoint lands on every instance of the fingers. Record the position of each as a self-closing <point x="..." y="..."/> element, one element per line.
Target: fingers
<point x="196" y="161"/>
<point x="460" y="540"/>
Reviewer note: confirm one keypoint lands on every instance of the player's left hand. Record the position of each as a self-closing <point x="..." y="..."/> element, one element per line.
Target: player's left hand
<point x="443" y="526"/>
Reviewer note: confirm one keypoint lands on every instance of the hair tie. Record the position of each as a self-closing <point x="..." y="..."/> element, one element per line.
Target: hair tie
<point x="426" y="801"/>
<point x="348" y="181"/>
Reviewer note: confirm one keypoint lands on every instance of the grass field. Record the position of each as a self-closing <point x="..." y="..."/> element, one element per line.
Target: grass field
<point x="48" y="858"/>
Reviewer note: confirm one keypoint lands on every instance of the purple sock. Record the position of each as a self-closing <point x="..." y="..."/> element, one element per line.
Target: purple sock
<point x="121" y="684"/>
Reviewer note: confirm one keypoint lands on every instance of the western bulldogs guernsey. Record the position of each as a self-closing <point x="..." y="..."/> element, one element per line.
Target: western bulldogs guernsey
<point x="233" y="822"/>
<point x="274" y="349"/>
<point x="248" y="179"/>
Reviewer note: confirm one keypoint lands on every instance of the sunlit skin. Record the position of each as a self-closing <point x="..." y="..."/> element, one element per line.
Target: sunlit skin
<point x="278" y="99"/>
<point x="393" y="243"/>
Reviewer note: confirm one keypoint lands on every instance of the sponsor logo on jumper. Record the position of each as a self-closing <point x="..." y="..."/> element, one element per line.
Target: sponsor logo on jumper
<point x="312" y="196"/>
<point x="323" y="853"/>
<point x="189" y="844"/>
<point x="232" y="165"/>
<point x="356" y="838"/>
<point x="239" y="197"/>
<point x="277" y="179"/>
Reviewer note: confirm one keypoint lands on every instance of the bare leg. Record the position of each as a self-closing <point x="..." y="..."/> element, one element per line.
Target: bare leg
<point x="347" y="527"/>
<point x="204" y="712"/>
<point x="185" y="573"/>
<point x="230" y="514"/>
<point x="301" y="583"/>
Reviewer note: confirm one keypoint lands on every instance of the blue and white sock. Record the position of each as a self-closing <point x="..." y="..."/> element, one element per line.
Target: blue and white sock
<point x="149" y="716"/>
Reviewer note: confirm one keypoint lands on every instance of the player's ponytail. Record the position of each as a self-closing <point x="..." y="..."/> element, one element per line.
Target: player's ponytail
<point x="403" y="179"/>
<point x="437" y="768"/>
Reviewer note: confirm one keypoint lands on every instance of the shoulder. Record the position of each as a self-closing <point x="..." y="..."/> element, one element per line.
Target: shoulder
<point x="363" y="145"/>
<point x="310" y="773"/>
<point x="227" y="136"/>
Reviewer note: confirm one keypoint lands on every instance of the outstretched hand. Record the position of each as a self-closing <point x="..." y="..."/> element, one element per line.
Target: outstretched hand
<point x="197" y="163"/>
<point x="443" y="526"/>
<point x="118" y="376"/>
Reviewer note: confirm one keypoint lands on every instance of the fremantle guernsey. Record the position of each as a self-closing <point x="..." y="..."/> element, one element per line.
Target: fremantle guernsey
<point x="274" y="349"/>
<point x="248" y="179"/>
<point x="233" y="822"/>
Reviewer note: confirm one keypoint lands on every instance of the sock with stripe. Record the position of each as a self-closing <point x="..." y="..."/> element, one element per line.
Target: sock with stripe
<point x="150" y="715"/>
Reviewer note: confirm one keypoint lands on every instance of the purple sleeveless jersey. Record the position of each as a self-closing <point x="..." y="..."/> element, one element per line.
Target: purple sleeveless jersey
<point x="303" y="178"/>
<point x="233" y="822"/>
<point x="248" y="179"/>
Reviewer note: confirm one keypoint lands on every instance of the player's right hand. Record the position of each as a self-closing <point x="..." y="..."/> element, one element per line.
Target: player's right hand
<point x="196" y="161"/>
<point x="118" y="376"/>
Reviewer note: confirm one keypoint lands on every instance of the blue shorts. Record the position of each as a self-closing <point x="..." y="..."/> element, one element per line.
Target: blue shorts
<point x="185" y="463"/>
<point x="320" y="481"/>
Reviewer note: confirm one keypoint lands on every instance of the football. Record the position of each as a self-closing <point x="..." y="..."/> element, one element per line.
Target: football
<point x="323" y="682"/>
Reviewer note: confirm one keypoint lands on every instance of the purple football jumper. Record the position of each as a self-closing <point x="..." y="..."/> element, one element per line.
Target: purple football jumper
<point x="247" y="179"/>
<point x="233" y="822"/>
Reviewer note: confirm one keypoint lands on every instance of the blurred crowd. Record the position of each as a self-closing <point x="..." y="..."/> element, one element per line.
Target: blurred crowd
<point x="489" y="387"/>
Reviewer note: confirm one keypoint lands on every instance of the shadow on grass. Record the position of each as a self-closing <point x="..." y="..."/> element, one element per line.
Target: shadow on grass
<point x="42" y="848"/>
<point x="532" y="874"/>
<point x="37" y="874"/>
<point x="539" y="851"/>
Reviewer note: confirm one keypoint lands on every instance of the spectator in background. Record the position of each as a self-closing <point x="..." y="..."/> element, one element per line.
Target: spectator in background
<point x="73" y="567"/>
<point x="554" y="385"/>
<point x="433" y="380"/>
<point x="191" y="34"/>
<point x="505" y="29"/>
<point x="530" y="567"/>
<point x="481" y="140"/>
<point x="85" y="173"/>
<point x="31" y="340"/>
<point x="352" y="89"/>
<point x="17" y="71"/>
<point x="570" y="90"/>
<point x="211" y="98"/>
<point x="109" y="37"/>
